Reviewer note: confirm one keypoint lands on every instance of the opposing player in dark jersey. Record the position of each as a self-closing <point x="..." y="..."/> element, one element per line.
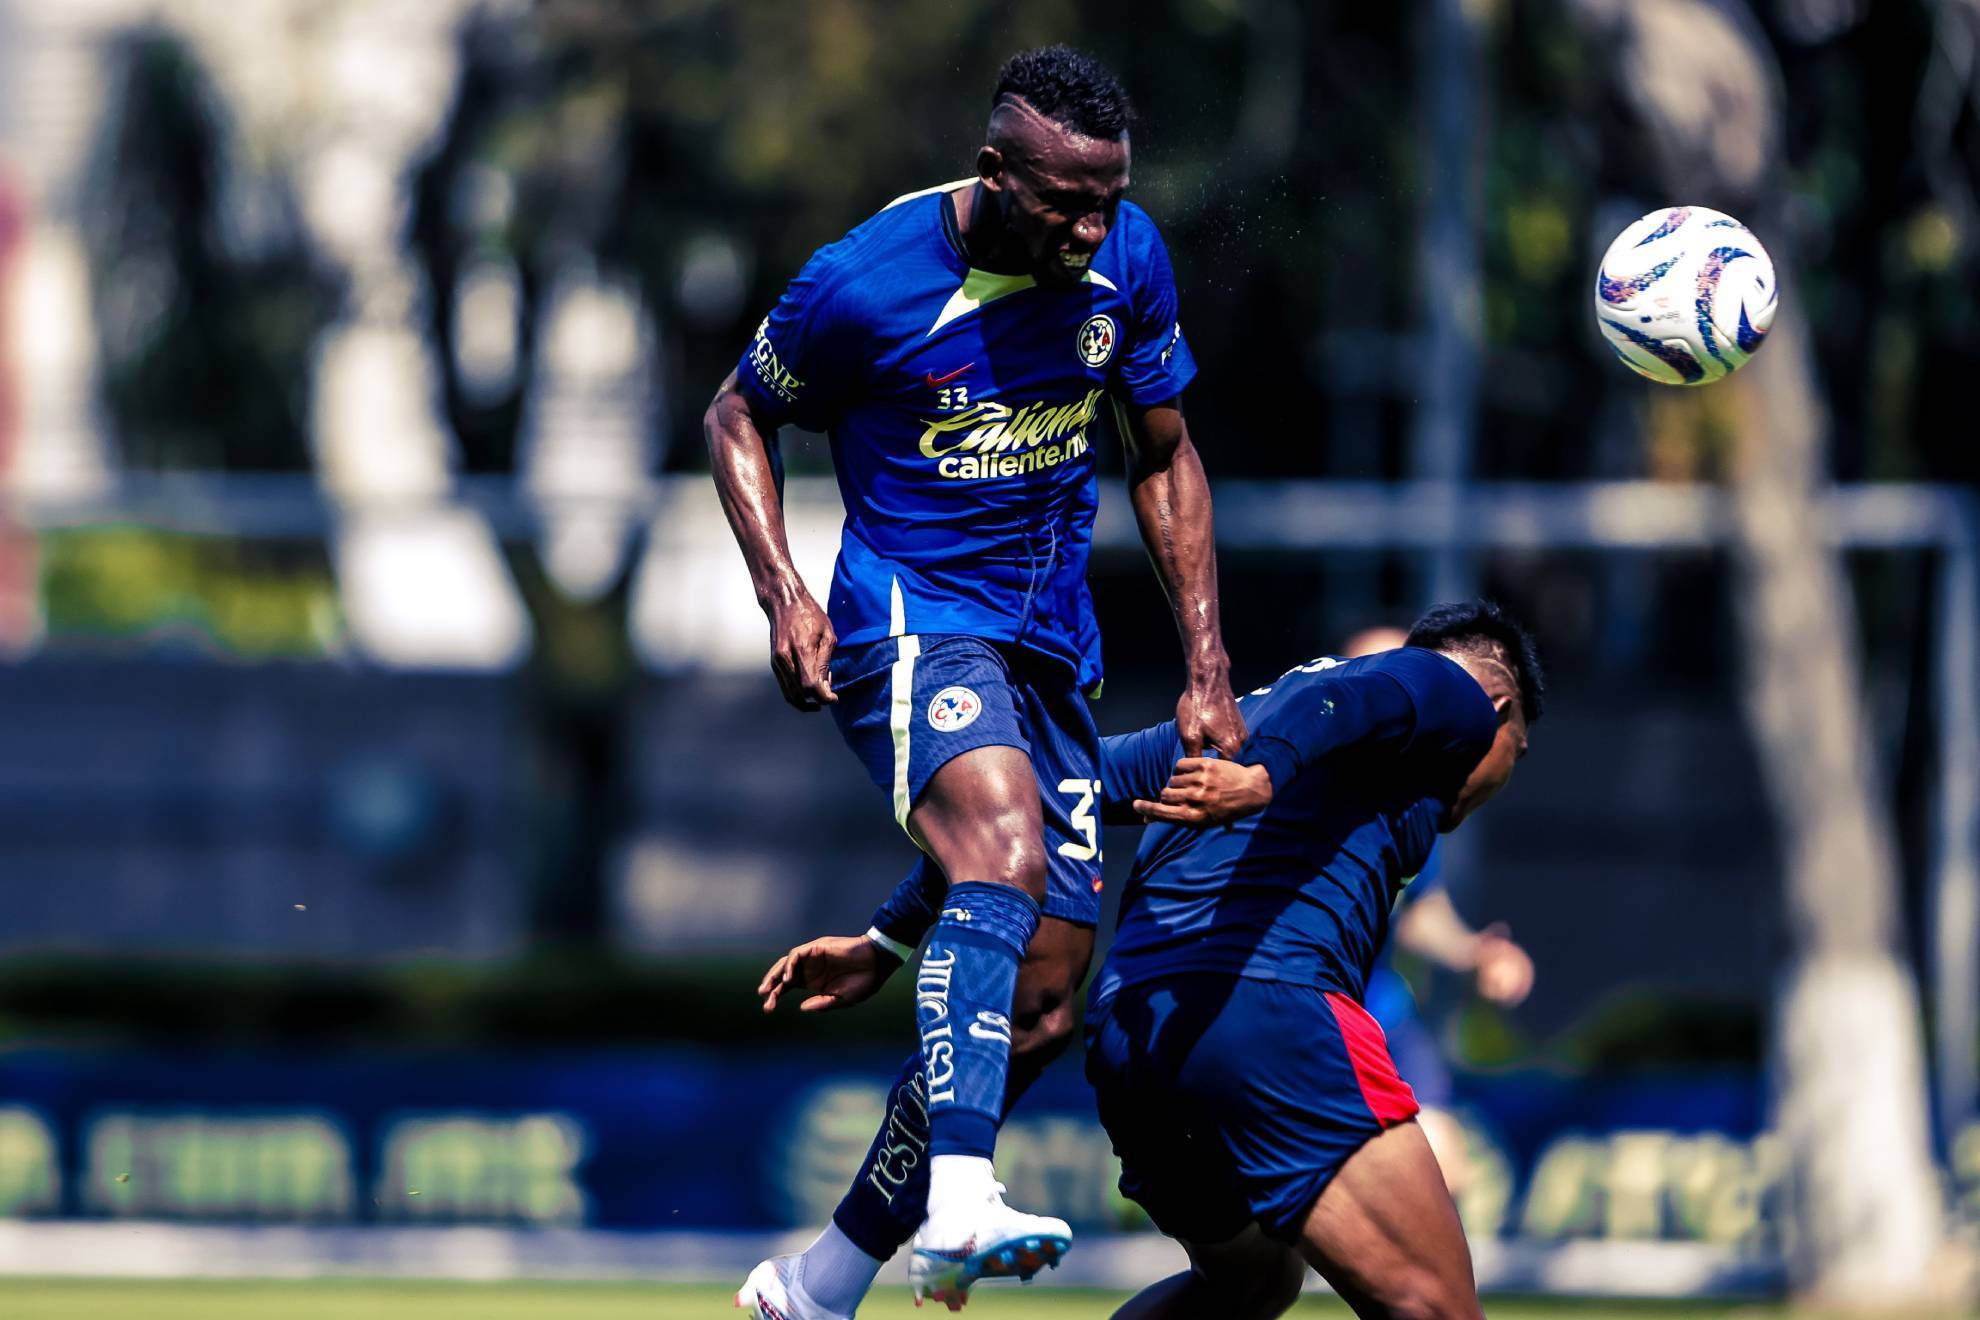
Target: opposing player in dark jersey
<point x="959" y="347"/>
<point x="1427" y="925"/>
<point x="1251" y="1099"/>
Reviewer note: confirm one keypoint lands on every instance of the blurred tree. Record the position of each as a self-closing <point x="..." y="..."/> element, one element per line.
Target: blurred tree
<point x="521" y="180"/>
<point x="207" y="302"/>
<point x="1849" y="1071"/>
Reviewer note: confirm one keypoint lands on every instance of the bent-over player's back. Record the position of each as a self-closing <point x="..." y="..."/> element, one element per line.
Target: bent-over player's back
<point x="1365" y="755"/>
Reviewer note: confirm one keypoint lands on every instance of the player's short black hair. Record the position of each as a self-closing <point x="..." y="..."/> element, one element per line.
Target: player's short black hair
<point x="1069" y="87"/>
<point x="1481" y="627"/>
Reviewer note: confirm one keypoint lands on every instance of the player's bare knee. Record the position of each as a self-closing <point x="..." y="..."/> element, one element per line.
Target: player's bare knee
<point x="1001" y="849"/>
<point x="1022" y="865"/>
<point x="1250" y="1277"/>
<point x="1427" y="1297"/>
<point x="1261" y="1294"/>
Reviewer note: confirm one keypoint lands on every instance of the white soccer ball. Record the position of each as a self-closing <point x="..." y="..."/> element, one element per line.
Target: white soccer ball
<point x="1685" y="295"/>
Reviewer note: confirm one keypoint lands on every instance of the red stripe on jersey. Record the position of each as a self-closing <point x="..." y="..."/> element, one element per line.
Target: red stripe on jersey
<point x="1387" y="1095"/>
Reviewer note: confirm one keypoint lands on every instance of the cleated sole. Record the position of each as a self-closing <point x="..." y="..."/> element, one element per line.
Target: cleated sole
<point x="948" y="1281"/>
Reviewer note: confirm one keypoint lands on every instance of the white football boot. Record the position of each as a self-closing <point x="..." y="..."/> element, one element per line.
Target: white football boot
<point x="984" y="1240"/>
<point x="771" y="1292"/>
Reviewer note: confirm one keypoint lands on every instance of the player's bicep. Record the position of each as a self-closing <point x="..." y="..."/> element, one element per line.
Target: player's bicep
<point x="1152" y="434"/>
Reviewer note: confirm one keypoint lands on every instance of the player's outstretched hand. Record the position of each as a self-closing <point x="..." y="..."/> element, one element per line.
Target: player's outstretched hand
<point x="1204" y="791"/>
<point x="836" y="971"/>
<point x="1504" y="970"/>
<point x="801" y="642"/>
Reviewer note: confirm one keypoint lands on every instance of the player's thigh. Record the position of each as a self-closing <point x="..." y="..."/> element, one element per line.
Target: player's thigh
<point x="1385" y="1234"/>
<point x="1042" y="1010"/>
<point x="979" y="819"/>
<point x="935" y="721"/>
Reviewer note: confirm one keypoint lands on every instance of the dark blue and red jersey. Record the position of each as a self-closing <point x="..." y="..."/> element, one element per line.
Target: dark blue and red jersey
<point x="1366" y="757"/>
<point x="961" y="404"/>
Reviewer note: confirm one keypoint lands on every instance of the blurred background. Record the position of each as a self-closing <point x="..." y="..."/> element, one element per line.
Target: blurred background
<point x="396" y="810"/>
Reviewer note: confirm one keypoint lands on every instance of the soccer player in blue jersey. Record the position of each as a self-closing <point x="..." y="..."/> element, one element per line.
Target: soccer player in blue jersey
<point x="1256" y="1111"/>
<point x="959" y="347"/>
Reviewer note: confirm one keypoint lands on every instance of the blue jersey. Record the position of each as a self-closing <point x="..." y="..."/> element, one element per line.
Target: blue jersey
<point x="1366" y="756"/>
<point x="961" y="407"/>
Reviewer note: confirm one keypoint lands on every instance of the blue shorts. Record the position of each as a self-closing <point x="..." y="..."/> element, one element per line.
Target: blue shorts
<point x="909" y="705"/>
<point x="1233" y="1101"/>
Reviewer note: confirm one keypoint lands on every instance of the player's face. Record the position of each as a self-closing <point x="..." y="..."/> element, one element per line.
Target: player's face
<point x="1495" y="770"/>
<point x="1058" y="193"/>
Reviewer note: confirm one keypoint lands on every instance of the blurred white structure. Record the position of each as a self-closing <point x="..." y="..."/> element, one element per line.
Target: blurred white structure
<point x="51" y="75"/>
<point x="346" y="95"/>
<point x="587" y="424"/>
<point x="368" y="86"/>
<point x="694" y="607"/>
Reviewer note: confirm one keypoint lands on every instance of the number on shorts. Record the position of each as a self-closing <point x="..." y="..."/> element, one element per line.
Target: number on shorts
<point x="1082" y="819"/>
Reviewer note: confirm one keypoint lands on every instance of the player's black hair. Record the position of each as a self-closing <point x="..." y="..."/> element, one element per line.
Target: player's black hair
<point x="1069" y="87"/>
<point x="1480" y="625"/>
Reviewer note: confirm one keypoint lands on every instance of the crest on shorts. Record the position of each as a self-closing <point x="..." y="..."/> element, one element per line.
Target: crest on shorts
<point x="954" y="708"/>
<point x="1095" y="342"/>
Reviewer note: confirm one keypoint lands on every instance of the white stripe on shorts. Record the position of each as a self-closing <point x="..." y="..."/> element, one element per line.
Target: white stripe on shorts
<point x="903" y="721"/>
<point x="901" y="715"/>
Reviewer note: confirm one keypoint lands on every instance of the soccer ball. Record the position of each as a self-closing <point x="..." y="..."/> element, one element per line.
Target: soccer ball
<point x="1685" y="295"/>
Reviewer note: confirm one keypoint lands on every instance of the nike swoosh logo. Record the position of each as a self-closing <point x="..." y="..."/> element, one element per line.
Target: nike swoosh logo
<point x="936" y="382"/>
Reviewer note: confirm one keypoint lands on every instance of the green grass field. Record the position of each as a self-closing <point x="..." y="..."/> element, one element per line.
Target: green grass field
<point x="68" y="1299"/>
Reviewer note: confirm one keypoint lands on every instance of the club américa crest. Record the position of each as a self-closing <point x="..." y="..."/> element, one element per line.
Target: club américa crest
<point x="954" y="708"/>
<point x="1096" y="340"/>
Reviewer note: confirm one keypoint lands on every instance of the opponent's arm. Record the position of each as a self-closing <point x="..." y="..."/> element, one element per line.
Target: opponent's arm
<point x="1144" y="778"/>
<point x="801" y="637"/>
<point x="1171" y="500"/>
<point x="838" y="971"/>
<point x="1134" y="765"/>
<point x="906" y="914"/>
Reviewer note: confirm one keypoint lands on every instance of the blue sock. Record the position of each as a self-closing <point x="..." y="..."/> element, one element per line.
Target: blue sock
<point x="888" y="1198"/>
<point x="962" y="1005"/>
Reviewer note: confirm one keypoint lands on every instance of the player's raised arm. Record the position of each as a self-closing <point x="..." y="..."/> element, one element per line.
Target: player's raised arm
<point x="801" y="637"/>
<point x="1171" y="498"/>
